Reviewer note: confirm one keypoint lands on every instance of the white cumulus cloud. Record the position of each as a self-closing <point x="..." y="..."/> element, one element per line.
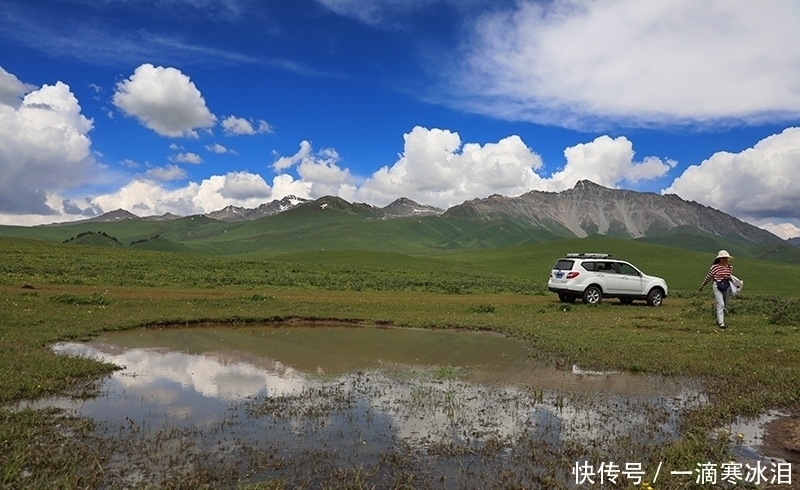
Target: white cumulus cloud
<point x="170" y="172"/>
<point x="244" y="185"/>
<point x="188" y="157"/>
<point x="44" y="147"/>
<point x="607" y="162"/>
<point x="783" y="230"/>
<point x="219" y="149"/>
<point x="164" y="100"/>
<point x="12" y="89"/>
<point x="584" y="63"/>
<point x="759" y="183"/>
<point x="236" y="126"/>
<point x="437" y="168"/>
<point x="147" y="196"/>
<point x="319" y="172"/>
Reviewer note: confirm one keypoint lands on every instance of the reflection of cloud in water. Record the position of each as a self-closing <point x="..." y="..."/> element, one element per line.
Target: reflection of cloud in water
<point x="160" y="385"/>
<point x="206" y="374"/>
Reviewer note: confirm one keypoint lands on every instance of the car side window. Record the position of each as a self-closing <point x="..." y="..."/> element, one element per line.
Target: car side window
<point x="628" y="270"/>
<point x="607" y="267"/>
<point x="589" y="266"/>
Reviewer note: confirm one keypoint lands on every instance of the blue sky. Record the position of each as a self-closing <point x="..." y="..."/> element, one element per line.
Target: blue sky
<point x="186" y="106"/>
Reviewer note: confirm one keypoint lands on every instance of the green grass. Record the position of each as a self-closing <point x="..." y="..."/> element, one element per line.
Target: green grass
<point x="79" y="291"/>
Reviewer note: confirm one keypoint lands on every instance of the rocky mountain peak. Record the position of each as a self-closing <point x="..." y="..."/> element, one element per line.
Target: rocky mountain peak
<point x="404" y="207"/>
<point x="115" y="215"/>
<point x="234" y="213"/>
<point x="591" y="209"/>
<point x="403" y="201"/>
<point x="588" y="184"/>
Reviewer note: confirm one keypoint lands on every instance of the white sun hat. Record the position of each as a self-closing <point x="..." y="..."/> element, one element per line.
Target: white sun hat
<point x="722" y="254"/>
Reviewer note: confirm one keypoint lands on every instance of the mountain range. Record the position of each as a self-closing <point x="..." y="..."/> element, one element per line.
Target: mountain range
<point x="400" y="208"/>
<point x="591" y="209"/>
<point x="295" y="224"/>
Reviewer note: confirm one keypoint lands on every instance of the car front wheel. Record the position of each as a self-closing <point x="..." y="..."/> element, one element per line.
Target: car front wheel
<point x="592" y="295"/>
<point x="655" y="297"/>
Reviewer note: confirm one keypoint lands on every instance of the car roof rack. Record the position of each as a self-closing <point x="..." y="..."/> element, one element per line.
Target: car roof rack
<point x="587" y="256"/>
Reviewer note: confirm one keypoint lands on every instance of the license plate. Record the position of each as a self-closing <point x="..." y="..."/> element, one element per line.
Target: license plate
<point x="559" y="275"/>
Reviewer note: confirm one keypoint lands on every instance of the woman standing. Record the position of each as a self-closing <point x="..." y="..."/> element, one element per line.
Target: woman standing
<point x="720" y="272"/>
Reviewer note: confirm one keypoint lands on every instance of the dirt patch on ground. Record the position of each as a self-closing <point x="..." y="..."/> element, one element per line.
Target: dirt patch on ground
<point x="782" y="437"/>
<point x="782" y="440"/>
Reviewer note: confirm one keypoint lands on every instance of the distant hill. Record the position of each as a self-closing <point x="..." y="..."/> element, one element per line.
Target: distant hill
<point x="233" y="214"/>
<point x="94" y="238"/>
<point x="794" y="241"/>
<point x="404" y="208"/>
<point x="160" y="244"/>
<point x="400" y="208"/>
<point x="116" y="216"/>
<point x="406" y="227"/>
<point x="163" y="217"/>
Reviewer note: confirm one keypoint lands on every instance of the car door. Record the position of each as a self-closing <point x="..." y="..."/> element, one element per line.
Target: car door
<point x="631" y="281"/>
<point x="607" y="275"/>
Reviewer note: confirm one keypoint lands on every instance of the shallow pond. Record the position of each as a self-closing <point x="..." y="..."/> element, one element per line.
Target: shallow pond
<point x="313" y="406"/>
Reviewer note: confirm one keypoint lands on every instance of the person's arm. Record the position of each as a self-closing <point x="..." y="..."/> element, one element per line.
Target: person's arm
<point x="709" y="276"/>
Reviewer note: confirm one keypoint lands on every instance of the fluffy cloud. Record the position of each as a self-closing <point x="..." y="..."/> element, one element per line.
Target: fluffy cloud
<point x="44" y="147"/>
<point x="11" y="89"/>
<point x="146" y="197"/>
<point x="319" y="172"/>
<point x="783" y="230"/>
<point x="607" y="162"/>
<point x="236" y="126"/>
<point x="757" y="184"/>
<point x="218" y="149"/>
<point x="435" y="168"/>
<point x="283" y="163"/>
<point x="582" y="63"/>
<point x="192" y="158"/>
<point x="170" y="172"/>
<point x="243" y="186"/>
<point x="164" y="100"/>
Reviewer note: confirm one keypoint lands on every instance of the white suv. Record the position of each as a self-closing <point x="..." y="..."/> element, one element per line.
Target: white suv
<point x="593" y="277"/>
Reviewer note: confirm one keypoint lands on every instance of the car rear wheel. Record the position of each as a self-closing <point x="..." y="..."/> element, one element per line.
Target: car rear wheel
<point x="566" y="298"/>
<point x="592" y="295"/>
<point x="655" y="297"/>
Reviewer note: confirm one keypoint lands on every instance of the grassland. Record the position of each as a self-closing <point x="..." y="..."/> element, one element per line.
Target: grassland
<point x="51" y="292"/>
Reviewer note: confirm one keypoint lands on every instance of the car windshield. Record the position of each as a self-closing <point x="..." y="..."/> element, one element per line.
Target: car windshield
<point x="564" y="265"/>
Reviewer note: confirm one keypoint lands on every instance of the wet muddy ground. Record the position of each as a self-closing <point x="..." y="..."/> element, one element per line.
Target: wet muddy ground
<point x="333" y="406"/>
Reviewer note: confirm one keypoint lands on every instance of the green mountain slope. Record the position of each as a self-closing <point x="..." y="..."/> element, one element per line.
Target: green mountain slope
<point x="331" y="223"/>
<point x="92" y="238"/>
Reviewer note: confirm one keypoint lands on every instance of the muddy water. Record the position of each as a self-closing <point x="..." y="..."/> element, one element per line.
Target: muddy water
<point x="459" y="409"/>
